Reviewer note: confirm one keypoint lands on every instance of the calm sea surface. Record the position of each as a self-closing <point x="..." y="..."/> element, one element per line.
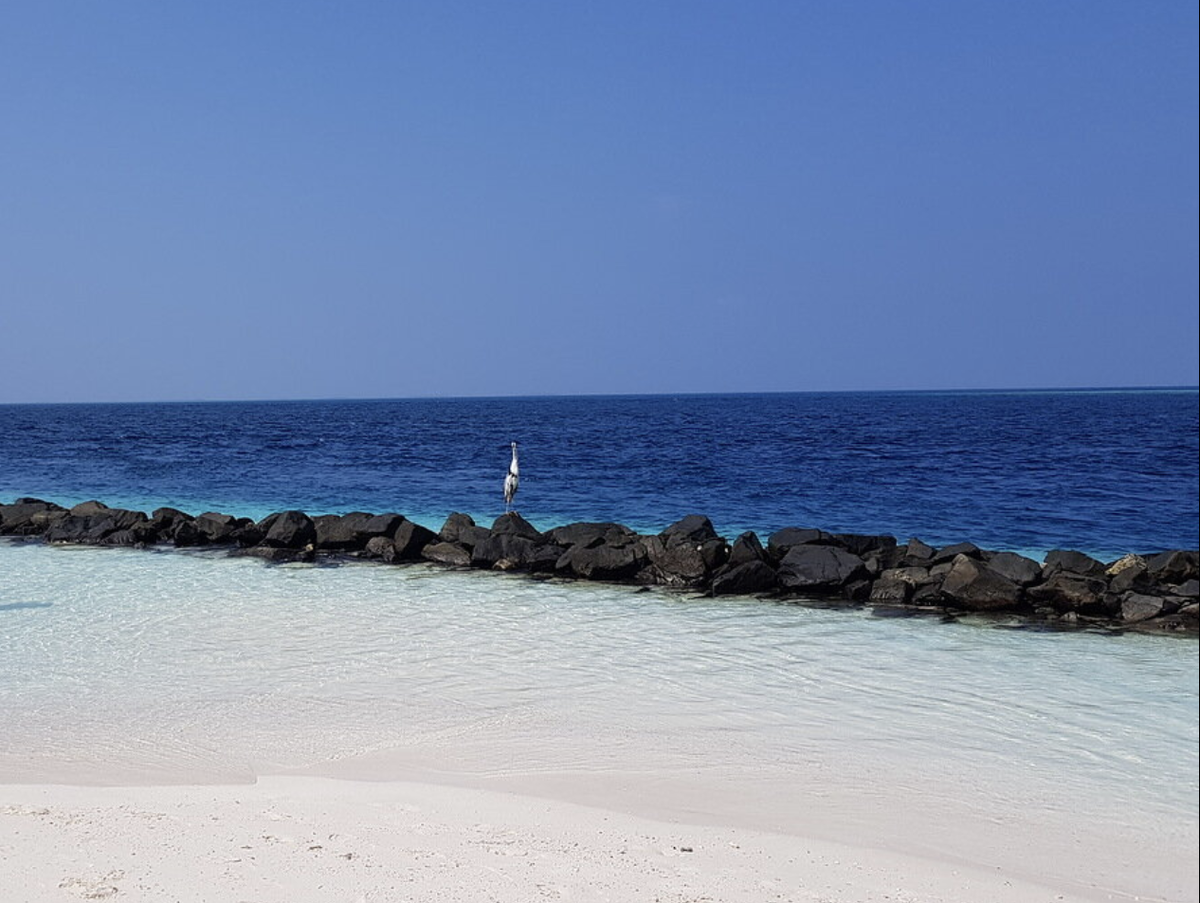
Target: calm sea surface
<point x="126" y="665"/>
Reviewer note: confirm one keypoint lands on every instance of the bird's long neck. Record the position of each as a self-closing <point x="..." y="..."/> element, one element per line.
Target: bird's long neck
<point x="512" y="467"/>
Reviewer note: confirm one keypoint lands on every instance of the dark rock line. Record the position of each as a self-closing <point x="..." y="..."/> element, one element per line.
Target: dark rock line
<point x="1157" y="592"/>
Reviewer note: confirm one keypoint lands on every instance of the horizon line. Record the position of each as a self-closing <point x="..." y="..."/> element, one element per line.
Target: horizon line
<point x="1031" y="390"/>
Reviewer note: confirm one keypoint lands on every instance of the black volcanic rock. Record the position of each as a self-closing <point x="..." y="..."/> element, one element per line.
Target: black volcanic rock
<point x="819" y="568"/>
<point x="288" y="530"/>
<point x="1137" y="607"/>
<point x="278" y="554"/>
<point x="510" y="551"/>
<point x="1074" y="593"/>
<point x="21" y="517"/>
<point x="974" y="586"/>
<point x="588" y="535"/>
<point x="917" y="552"/>
<point x="744" y="579"/>
<point x="681" y="561"/>
<point x="890" y="591"/>
<point x="603" y="562"/>
<point x="861" y="544"/>
<point x="1017" y="568"/>
<point x="1072" y="562"/>
<point x="695" y="528"/>
<point x="949" y="553"/>
<point x="164" y="521"/>
<point x="1126" y="573"/>
<point x="451" y="553"/>
<point x="461" y="528"/>
<point x="746" y="548"/>
<point x="216" y="528"/>
<point x="512" y="524"/>
<point x="91" y="522"/>
<point x="1174" y="566"/>
<point x="410" y="540"/>
<point x="382" y="548"/>
<point x="341" y="532"/>
<point x="380" y="525"/>
<point x="781" y="541"/>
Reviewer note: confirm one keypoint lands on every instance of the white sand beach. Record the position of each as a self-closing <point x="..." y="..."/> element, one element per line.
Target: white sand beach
<point x="291" y="839"/>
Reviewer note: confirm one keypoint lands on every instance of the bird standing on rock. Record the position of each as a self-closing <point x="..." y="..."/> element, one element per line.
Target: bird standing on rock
<point x="512" y="480"/>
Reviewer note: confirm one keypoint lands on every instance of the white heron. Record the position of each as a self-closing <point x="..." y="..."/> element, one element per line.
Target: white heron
<point x="511" y="481"/>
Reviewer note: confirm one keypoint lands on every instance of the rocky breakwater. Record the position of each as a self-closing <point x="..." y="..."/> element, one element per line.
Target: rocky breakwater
<point x="1151" y="592"/>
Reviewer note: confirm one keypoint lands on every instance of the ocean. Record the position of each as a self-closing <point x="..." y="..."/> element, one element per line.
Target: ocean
<point x="123" y="665"/>
<point x="1105" y="472"/>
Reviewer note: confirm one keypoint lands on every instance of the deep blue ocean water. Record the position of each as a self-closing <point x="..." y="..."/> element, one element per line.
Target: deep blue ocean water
<point x="1103" y="471"/>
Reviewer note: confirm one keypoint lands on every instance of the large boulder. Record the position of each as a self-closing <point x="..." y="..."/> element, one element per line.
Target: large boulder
<point x="746" y="548"/>
<point x="385" y="524"/>
<point x="602" y="562"/>
<point x="913" y="576"/>
<point x="246" y="533"/>
<point x="382" y="548"/>
<point x="341" y="532"/>
<point x="972" y="585"/>
<point x="509" y="551"/>
<point x="890" y="591"/>
<point x="91" y="522"/>
<point x="949" y="553"/>
<point x="863" y="545"/>
<point x="217" y="528"/>
<point x="164" y="521"/>
<point x="1075" y="593"/>
<point x="512" y="524"/>
<point x="695" y="528"/>
<point x="744" y="578"/>
<point x="461" y="528"/>
<point x="680" y="560"/>
<point x="1174" y="566"/>
<point x="918" y="553"/>
<point x="779" y="542"/>
<point x="1073" y="563"/>
<point x="1189" y="589"/>
<point x="1137" y="607"/>
<point x="27" y="516"/>
<point x="1020" y="570"/>
<point x="450" y="553"/>
<point x="410" y="539"/>
<point x="819" y="568"/>
<point x="288" y="530"/>
<point x="1126" y="573"/>
<point x="589" y="535"/>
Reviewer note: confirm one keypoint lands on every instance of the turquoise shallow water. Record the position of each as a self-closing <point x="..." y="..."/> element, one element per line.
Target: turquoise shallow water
<point x="151" y="666"/>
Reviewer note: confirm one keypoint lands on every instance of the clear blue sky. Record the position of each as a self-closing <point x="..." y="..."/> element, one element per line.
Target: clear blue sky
<point x="373" y="199"/>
